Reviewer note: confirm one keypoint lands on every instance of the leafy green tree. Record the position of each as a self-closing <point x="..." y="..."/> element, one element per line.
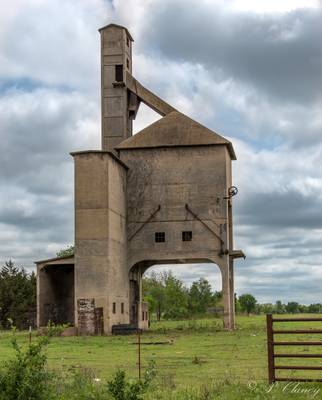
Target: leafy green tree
<point x="68" y="251"/>
<point x="257" y="309"/>
<point x="158" y="295"/>
<point x="267" y="308"/>
<point x="302" y="308"/>
<point x="279" y="307"/>
<point x="17" y="296"/>
<point x="153" y="287"/>
<point x="200" y="297"/>
<point x="247" y="303"/>
<point x="176" y="298"/>
<point x="315" y="308"/>
<point x="292" y="307"/>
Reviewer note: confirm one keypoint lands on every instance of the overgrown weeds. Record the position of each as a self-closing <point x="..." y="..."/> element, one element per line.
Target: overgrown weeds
<point x="53" y="330"/>
<point x="122" y="389"/>
<point x="25" y="376"/>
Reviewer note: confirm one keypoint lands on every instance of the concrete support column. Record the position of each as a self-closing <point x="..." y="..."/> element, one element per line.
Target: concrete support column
<point x="232" y="293"/>
<point x="39" y="299"/>
<point x="228" y="295"/>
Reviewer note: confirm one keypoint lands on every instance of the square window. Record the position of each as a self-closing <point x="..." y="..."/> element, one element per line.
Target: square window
<point x="159" y="237"/>
<point x="186" y="236"/>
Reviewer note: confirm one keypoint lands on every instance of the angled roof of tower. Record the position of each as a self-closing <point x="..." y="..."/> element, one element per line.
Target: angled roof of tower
<point x="175" y="130"/>
<point x="117" y="26"/>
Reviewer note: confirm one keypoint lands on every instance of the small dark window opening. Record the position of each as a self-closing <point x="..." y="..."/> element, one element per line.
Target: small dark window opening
<point x="122" y="308"/>
<point x="114" y="308"/>
<point x="186" y="236"/>
<point x="142" y="315"/>
<point x="127" y="63"/>
<point x="119" y="73"/>
<point x="146" y="315"/>
<point x="159" y="237"/>
<point x="128" y="42"/>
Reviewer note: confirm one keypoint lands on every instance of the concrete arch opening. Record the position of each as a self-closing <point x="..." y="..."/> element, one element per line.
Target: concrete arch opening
<point x="138" y="309"/>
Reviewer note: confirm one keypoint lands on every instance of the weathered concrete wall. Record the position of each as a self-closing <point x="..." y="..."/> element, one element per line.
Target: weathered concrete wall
<point x="116" y="49"/>
<point x="100" y="237"/>
<point x="117" y="246"/>
<point x="171" y="178"/>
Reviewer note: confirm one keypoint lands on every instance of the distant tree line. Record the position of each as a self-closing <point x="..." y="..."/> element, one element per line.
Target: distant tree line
<point x="169" y="298"/>
<point x="292" y="307"/>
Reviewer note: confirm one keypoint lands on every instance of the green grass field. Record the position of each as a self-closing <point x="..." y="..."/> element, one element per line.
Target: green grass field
<point x="196" y="352"/>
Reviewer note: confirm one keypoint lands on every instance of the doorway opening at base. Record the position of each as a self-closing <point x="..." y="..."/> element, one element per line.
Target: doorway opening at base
<point x="167" y="291"/>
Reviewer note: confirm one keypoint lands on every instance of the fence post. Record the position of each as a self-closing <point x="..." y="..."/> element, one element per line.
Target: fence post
<point x="139" y="352"/>
<point x="270" y="348"/>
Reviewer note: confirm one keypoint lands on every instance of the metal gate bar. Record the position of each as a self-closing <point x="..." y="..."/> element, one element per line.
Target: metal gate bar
<point x="271" y="343"/>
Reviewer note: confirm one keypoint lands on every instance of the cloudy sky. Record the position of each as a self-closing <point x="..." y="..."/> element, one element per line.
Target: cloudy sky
<point x="248" y="69"/>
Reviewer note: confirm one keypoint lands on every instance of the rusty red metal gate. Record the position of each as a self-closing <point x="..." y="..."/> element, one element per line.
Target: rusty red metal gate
<point x="272" y="356"/>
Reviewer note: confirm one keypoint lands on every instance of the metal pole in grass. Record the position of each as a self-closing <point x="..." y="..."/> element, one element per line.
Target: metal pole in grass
<point x="29" y="334"/>
<point x="139" y="352"/>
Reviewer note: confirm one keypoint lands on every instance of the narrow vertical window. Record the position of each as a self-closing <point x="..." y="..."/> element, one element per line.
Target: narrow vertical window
<point x="122" y="308"/>
<point x="119" y="73"/>
<point x="127" y="41"/>
<point x="127" y="63"/>
<point x="142" y="315"/>
<point x="114" y="308"/>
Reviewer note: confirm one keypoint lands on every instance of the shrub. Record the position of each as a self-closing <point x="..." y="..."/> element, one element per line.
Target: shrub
<point x="121" y="389"/>
<point x="80" y="384"/>
<point x="25" y="377"/>
<point x="55" y="329"/>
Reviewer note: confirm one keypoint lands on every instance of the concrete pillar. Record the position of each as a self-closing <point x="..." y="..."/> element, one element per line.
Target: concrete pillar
<point x="228" y="294"/>
<point x="232" y="293"/>
<point x="116" y="62"/>
<point x="231" y="261"/>
<point x="44" y="295"/>
<point x="101" y="274"/>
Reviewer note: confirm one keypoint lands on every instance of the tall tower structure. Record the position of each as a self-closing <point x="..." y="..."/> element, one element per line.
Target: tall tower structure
<point x="118" y="105"/>
<point x="162" y="196"/>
